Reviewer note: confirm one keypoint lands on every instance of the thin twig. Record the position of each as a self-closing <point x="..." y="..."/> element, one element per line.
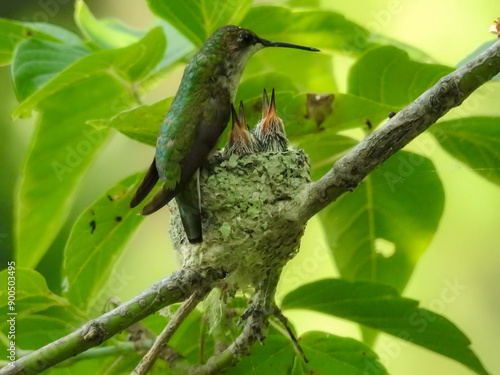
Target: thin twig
<point x="184" y="310"/>
<point x="203" y="328"/>
<point x="284" y="320"/>
<point x="144" y="339"/>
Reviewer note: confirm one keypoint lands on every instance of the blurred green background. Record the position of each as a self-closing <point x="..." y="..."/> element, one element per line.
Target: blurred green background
<point x="464" y="251"/>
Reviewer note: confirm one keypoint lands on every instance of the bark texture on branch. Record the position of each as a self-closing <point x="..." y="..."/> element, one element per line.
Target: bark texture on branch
<point x="172" y="289"/>
<point x="398" y="131"/>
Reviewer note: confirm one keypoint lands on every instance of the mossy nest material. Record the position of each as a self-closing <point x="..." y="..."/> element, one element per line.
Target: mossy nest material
<point x="244" y="229"/>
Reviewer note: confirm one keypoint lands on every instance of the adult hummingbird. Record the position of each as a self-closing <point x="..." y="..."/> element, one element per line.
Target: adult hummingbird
<point x="197" y="117"/>
<point x="270" y="130"/>
<point x="240" y="140"/>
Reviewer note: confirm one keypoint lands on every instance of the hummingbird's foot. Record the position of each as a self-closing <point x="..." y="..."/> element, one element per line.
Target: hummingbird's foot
<point x="215" y="159"/>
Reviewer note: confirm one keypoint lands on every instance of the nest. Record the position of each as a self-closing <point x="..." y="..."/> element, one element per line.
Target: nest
<point x="245" y="230"/>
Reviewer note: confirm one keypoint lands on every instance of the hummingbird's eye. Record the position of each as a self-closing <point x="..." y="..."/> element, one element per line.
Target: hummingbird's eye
<point x="246" y="38"/>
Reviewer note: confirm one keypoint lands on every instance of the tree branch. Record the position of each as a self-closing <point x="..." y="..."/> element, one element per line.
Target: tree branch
<point x="177" y="287"/>
<point x="397" y="132"/>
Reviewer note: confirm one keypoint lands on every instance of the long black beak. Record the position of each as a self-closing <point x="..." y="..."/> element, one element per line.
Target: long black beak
<point x="268" y="43"/>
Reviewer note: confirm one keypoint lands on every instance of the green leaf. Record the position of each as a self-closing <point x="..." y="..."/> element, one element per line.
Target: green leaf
<point x="141" y="123"/>
<point x="324" y="150"/>
<point x="198" y="19"/>
<point x="310" y="72"/>
<point x="474" y="141"/>
<point x="46" y="326"/>
<point x="304" y="3"/>
<point x="36" y="62"/>
<point x="96" y="241"/>
<point x="379" y="231"/>
<point x="55" y="33"/>
<point x="106" y="34"/>
<point x="60" y="153"/>
<point x="413" y="52"/>
<point x="387" y="75"/>
<point x="157" y="322"/>
<point x="330" y="354"/>
<point x="41" y="316"/>
<point x="126" y="65"/>
<point x="30" y="290"/>
<point x="94" y="87"/>
<point x="381" y="307"/>
<point x="276" y="356"/>
<point x="314" y="28"/>
<point x="251" y="88"/>
<point x="187" y="338"/>
<point x="349" y="111"/>
<point x="116" y="365"/>
<point x="178" y="48"/>
<point x="12" y="33"/>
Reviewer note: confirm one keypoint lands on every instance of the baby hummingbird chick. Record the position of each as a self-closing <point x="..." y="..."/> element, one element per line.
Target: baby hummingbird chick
<point x="240" y="141"/>
<point x="270" y="130"/>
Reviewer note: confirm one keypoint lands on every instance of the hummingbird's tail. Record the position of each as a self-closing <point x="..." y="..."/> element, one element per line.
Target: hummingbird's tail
<point x="189" y="210"/>
<point x="187" y="201"/>
<point x="188" y="204"/>
<point x="147" y="184"/>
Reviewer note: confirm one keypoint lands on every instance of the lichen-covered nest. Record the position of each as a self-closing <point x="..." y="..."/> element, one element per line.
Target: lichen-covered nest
<point x="244" y="229"/>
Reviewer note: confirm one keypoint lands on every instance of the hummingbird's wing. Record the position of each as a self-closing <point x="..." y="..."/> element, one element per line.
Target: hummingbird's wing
<point x="206" y="129"/>
<point x="146" y="185"/>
